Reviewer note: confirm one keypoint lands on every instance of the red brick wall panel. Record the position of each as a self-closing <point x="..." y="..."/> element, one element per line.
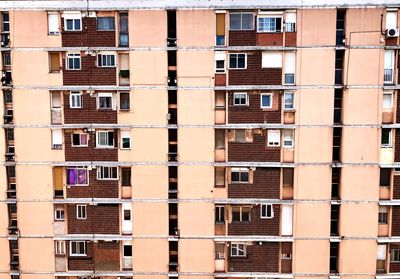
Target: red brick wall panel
<point x="290" y="39"/>
<point x="396" y="221"/>
<point x="243" y="38"/>
<point x="270" y="39"/>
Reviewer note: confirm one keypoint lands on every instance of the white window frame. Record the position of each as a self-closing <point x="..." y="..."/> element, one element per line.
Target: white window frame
<point x="266" y="205"/>
<point x="274" y="133"/>
<point x="270" y="15"/>
<point x="105" y="95"/>
<point x="125" y="134"/>
<point x="80" y="140"/>
<point x="72" y="16"/>
<point x="288" y="136"/>
<point x="241" y="93"/>
<point x="77" y="95"/>
<point x="98" y="144"/>
<point x="240" y="170"/>
<point x="220" y="56"/>
<point x="241" y="21"/>
<point x="73" y="56"/>
<point x="105" y="58"/>
<point x="51" y="17"/>
<point x="239" y="246"/>
<point x="271" y="98"/>
<point x="245" y="61"/>
<point x="390" y="144"/>
<point x="81" y="212"/>
<point x="100" y="169"/>
<point x="390" y="93"/>
<point x="394" y="259"/>
<point x="56" y="138"/>
<point x="56" y="218"/>
<point x="79" y="168"/>
<point x="221" y="213"/>
<point x="284" y="100"/>
<point x="77" y="254"/>
<point x="59" y="247"/>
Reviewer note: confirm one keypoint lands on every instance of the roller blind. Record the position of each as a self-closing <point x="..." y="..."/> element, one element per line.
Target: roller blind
<point x="287" y="219"/>
<point x="272" y="59"/>
<point x="290" y="62"/>
<point x="57" y="178"/>
<point x="391" y="19"/>
<point x="220" y="24"/>
<point x="53" y="23"/>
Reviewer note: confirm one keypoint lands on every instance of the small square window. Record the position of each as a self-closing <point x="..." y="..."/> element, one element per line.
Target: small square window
<point x="80" y="139"/>
<point x="266" y="100"/>
<point x="105" y="139"/>
<point x="106" y="60"/>
<point x="107" y="173"/>
<point x="238" y="250"/>
<point x="386" y="140"/>
<point x="75" y="100"/>
<point x="240" y="99"/>
<point x="105" y="23"/>
<point x="240" y="175"/>
<point x="125" y="139"/>
<point x="267" y="211"/>
<point x="237" y="61"/>
<point x="73" y="61"/>
<point x="104" y="101"/>
<point x="124" y="101"/>
<point x="77" y="248"/>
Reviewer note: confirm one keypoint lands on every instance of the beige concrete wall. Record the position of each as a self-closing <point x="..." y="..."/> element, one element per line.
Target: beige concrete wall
<point x="30" y="223"/>
<point x="149" y="181"/>
<point x="196" y="218"/>
<point x="150" y="218"/>
<point x="196" y="144"/>
<point x="147" y="145"/>
<point x="201" y="261"/>
<point x="200" y="75"/>
<point x="315" y="66"/>
<point x="34" y="182"/>
<point x="189" y="187"/>
<point x="195" y="28"/>
<point x="357" y="256"/>
<point x="36" y="111"/>
<point x="311" y="219"/>
<point x="147" y="28"/>
<point x="360" y="183"/>
<point x="3" y="174"/>
<point x="30" y="29"/>
<point x="36" y="246"/>
<point x="41" y="150"/>
<point x="195" y="107"/>
<point x="150" y="255"/>
<point x="312" y="182"/>
<point x="3" y="221"/>
<point x="372" y="68"/>
<point x="311" y="256"/>
<point x="362" y="106"/>
<point x="36" y="72"/>
<point x="148" y="67"/>
<point x="360" y="23"/>
<point x="365" y="215"/>
<point x="5" y="255"/>
<point x="314" y="106"/>
<point x="360" y="144"/>
<point x="314" y="145"/>
<point x="147" y="107"/>
<point x="324" y="21"/>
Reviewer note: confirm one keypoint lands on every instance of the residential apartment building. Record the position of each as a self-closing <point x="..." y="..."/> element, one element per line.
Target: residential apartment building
<point x="200" y="139"/>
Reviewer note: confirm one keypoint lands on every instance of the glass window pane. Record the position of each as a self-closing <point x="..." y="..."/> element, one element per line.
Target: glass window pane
<point x="234" y="21"/>
<point x="247" y="21"/>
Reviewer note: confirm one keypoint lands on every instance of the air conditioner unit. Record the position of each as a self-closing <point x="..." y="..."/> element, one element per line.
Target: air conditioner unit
<point x="392" y="32"/>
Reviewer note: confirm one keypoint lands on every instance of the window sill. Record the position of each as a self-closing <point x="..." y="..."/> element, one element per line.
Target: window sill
<point x="270" y="32"/>
<point x="105" y="147"/>
<point x="124" y="110"/>
<point x="289" y="110"/>
<point x="55" y="72"/>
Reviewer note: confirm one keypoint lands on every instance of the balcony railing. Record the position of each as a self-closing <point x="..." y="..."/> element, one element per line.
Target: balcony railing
<point x="388" y="76"/>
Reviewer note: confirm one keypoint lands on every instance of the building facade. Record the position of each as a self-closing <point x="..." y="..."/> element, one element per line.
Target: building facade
<point x="200" y="139"/>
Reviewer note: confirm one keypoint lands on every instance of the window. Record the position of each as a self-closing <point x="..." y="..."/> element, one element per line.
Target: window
<point x="125" y="139"/>
<point x="395" y="255"/>
<point x="391" y="19"/>
<point x="386" y="140"/>
<point x="240" y="175"/>
<point x="238" y="250"/>
<point x="72" y="21"/>
<point x="73" y="61"/>
<point x="124" y="101"/>
<point x="271" y="59"/>
<point x="387" y="103"/>
<point x="54" y="62"/>
<point x="220" y="29"/>
<point x="127" y="250"/>
<point x="241" y="21"/>
<point x="56" y="137"/>
<point x="388" y="73"/>
<point x="77" y="176"/>
<point x="383" y="215"/>
<point x="123" y="29"/>
<point x="80" y="211"/>
<point x="6" y="55"/>
<point x="220" y="62"/>
<point x="75" y="99"/>
<point x="106" y="60"/>
<point x="52" y="20"/>
<point x="219" y="214"/>
<point x="290" y="22"/>
<point x="105" y="23"/>
<point x="8" y="96"/>
<point x="107" y="173"/>
<point x="267" y="211"/>
<point x="126" y="176"/>
<point x="10" y="134"/>
<point x="384" y="178"/>
<point x="288" y="174"/>
<point x="77" y="248"/>
<point x="59" y="214"/>
<point x="6" y="22"/>
<point x="290" y="67"/>
<point x="269" y="23"/>
<point x="237" y="61"/>
<point x="239" y="135"/>
<point x="240" y="214"/>
<point x="274" y="138"/>
<point x="80" y="139"/>
<point x="104" y="101"/>
<point x="60" y="247"/>
<point x="266" y="100"/>
<point x="288" y="136"/>
<point x="127" y="215"/>
<point x="240" y="99"/>
<point x="105" y="139"/>
<point x="288" y="99"/>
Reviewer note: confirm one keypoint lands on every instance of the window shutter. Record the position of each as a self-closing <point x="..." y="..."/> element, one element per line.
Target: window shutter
<point x="287" y="219"/>
<point x="271" y="59"/>
<point x="251" y="176"/>
<point x="58" y="178"/>
<point x="389" y="59"/>
<point x="55" y="61"/>
<point x="249" y="135"/>
<point x="57" y="136"/>
<point x="228" y="175"/>
<point x="290" y="17"/>
<point x="231" y="135"/>
<point x="290" y="62"/>
<point x="53" y="23"/>
<point x="220" y="24"/>
<point x="391" y="19"/>
<point x="381" y="252"/>
<point x="56" y="99"/>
